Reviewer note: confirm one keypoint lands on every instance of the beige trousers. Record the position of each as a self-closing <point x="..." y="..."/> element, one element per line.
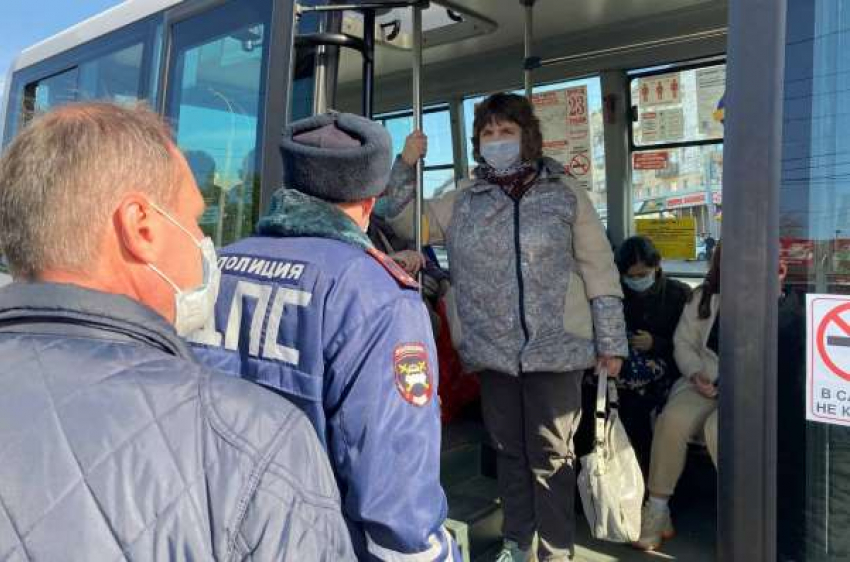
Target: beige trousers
<point x="686" y="415"/>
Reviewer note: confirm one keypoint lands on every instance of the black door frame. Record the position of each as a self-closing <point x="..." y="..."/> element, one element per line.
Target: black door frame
<point x="748" y="364"/>
<point x="277" y="79"/>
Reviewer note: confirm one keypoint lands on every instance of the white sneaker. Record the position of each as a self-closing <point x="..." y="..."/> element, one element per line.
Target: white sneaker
<point x="656" y="526"/>
<point x="511" y="552"/>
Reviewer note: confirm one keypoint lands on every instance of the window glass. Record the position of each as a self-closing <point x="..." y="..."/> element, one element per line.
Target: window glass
<point x="677" y="188"/>
<point x="683" y="187"/>
<point x="438" y="176"/>
<point x="437" y="126"/>
<point x="679" y="107"/>
<point x="115" y="77"/>
<point x="154" y="68"/>
<point x="54" y="91"/>
<point x="436" y="182"/>
<point x="215" y="105"/>
<point x="813" y="445"/>
<point x="304" y="66"/>
<point x="573" y="133"/>
<point x="108" y="68"/>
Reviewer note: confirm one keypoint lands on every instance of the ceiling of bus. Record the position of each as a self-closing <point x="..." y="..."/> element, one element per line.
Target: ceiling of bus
<point x="553" y="19"/>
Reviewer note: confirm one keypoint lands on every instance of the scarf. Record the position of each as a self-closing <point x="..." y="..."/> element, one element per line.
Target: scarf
<point x="514" y="181"/>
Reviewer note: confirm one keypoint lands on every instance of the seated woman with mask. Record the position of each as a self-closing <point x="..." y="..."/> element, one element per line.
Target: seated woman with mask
<point x="653" y="304"/>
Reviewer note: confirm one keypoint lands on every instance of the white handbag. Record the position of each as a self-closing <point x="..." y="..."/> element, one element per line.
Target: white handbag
<point x="611" y="482"/>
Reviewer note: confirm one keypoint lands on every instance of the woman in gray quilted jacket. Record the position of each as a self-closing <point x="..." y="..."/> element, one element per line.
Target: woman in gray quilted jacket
<point x="538" y="301"/>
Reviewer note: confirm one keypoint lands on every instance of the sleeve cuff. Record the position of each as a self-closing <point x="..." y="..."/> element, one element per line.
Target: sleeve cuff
<point x="400" y="189"/>
<point x="609" y="327"/>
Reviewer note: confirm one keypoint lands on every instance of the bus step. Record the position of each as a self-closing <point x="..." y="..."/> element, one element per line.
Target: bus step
<point x="460" y="464"/>
<point x="462" y="452"/>
<point x="476" y="515"/>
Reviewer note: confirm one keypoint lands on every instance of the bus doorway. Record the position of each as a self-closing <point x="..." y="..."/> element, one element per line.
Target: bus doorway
<point x="651" y="167"/>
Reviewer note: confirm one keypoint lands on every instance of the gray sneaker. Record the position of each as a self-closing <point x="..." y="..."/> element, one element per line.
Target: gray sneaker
<point x="655" y="528"/>
<point x="511" y="552"/>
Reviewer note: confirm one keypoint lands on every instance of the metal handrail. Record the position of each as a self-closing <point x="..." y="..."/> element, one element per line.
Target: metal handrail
<point x="335" y="39"/>
<point x="363" y="6"/>
<point x="417" y="124"/>
<point x="664" y="42"/>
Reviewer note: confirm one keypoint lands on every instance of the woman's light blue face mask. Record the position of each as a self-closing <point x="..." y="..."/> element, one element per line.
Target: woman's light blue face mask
<point x="501" y="154"/>
<point x="640" y="284"/>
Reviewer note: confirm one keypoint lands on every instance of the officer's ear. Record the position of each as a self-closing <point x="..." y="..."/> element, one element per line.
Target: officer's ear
<point x="366" y="208"/>
<point x="368" y="205"/>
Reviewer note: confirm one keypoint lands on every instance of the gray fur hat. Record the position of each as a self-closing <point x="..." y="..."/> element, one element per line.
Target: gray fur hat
<point x="338" y="157"/>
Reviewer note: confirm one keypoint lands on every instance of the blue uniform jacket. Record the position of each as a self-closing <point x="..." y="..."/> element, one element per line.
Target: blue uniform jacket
<point x="310" y="310"/>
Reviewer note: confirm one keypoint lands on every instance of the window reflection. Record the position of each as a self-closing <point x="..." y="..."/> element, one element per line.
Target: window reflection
<point x="813" y="458"/>
<point x="216" y="103"/>
<point x="54" y="91"/>
<point x="114" y="77"/>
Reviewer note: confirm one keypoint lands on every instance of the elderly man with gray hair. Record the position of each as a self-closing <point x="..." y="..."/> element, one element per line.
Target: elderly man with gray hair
<point x="115" y="443"/>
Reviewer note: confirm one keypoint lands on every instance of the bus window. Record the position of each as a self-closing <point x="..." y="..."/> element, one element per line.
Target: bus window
<point x="114" y="77"/>
<point x="438" y="173"/>
<point x="216" y="90"/>
<point x="677" y="161"/>
<point x="57" y="90"/>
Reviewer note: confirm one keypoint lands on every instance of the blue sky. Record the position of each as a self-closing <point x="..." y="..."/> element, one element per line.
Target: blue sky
<point x="25" y="22"/>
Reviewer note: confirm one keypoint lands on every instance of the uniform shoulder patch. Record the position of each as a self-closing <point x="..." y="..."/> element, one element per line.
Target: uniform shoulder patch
<point x="395" y="270"/>
<point x="412" y="369"/>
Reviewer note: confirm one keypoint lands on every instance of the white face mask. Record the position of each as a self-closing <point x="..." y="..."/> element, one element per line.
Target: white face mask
<point x="502" y="154"/>
<point x="193" y="308"/>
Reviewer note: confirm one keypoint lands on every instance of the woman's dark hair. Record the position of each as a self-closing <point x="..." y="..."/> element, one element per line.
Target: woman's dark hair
<point x="637" y="249"/>
<point x="509" y="107"/>
<point x="711" y="285"/>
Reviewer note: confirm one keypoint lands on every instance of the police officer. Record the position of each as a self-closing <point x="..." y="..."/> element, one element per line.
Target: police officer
<point x="309" y="308"/>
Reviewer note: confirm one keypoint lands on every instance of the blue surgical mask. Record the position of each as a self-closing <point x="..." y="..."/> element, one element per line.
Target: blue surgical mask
<point x="502" y="154"/>
<point x="640" y="284"/>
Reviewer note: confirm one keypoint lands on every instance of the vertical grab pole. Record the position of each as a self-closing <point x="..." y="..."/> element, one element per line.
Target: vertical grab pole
<point x="417" y="122"/>
<point x="320" y="76"/>
<point x="368" y="62"/>
<point x="290" y="77"/>
<point x="527" y="39"/>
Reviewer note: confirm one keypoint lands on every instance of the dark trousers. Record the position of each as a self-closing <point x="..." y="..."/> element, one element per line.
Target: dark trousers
<point x="532" y="419"/>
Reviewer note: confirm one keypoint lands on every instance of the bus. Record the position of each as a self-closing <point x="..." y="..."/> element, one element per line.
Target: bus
<point x="686" y="121"/>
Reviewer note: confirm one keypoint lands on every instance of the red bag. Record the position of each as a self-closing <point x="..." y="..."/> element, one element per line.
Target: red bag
<point x="457" y="389"/>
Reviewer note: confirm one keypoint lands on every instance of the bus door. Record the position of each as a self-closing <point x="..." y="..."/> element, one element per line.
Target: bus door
<point x="786" y="492"/>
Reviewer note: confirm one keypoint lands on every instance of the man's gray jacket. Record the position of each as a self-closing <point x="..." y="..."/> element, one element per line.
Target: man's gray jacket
<point x="116" y="445"/>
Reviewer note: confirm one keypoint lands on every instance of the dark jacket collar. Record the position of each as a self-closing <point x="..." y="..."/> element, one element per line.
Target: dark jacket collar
<point x="294" y="214"/>
<point x="70" y="309"/>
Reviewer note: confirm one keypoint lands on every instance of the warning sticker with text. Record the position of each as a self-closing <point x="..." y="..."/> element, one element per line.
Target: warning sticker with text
<point x="828" y="359"/>
<point x="565" y="125"/>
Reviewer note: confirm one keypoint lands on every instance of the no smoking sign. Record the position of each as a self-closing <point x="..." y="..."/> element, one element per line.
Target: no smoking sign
<point x="828" y="359"/>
